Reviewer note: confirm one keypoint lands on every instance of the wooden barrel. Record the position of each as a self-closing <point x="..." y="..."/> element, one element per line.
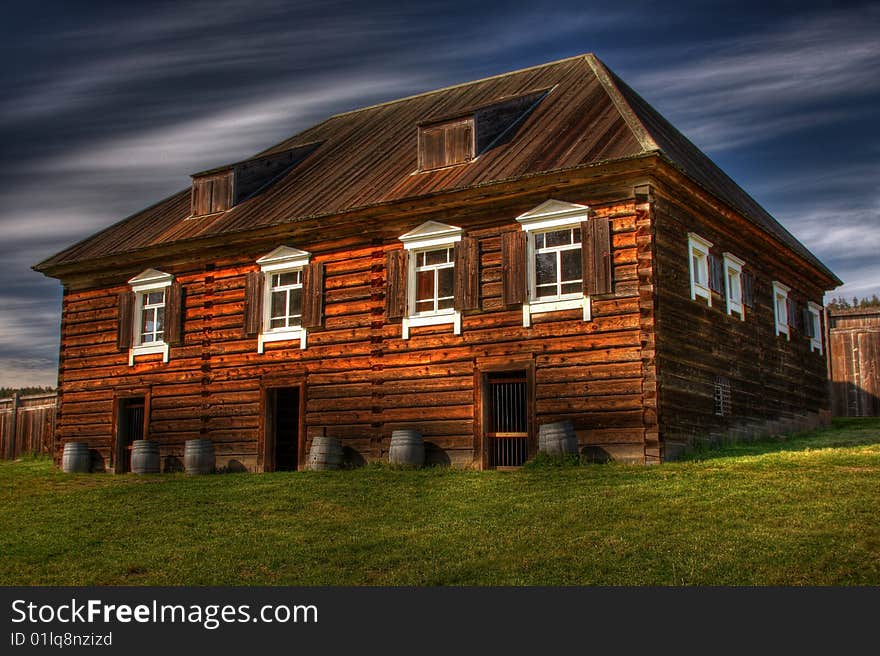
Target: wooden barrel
<point x="326" y="453"/>
<point x="198" y="457"/>
<point x="557" y="439"/>
<point x="145" y="457"/>
<point x="407" y="448"/>
<point x="76" y="458"/>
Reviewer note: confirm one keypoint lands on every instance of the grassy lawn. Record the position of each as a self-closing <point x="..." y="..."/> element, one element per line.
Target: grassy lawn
<point x="805" y="510"/>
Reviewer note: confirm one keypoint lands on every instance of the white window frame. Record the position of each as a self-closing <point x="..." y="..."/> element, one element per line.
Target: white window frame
<point x="429" y="236"/>
<point x="549" y="216"/>
<point x="734" y="265"/>
<point x="283" y="259"/>
<point x="816" y="311"/>
<point x="780" y="292"/>
<point x="148" y="281"/>
<point x="699" y="246"/>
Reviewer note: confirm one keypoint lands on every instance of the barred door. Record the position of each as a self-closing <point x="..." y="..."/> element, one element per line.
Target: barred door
<point x="508" y="425"/>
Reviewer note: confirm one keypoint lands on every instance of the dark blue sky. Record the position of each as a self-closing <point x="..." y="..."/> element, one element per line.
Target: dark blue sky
<point x="108" y="107"/>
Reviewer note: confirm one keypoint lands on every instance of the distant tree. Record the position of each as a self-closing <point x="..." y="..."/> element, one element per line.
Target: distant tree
<point x="6" y="392"/>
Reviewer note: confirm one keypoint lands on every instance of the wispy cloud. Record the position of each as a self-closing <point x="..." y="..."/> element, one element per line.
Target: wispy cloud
<point x="795" y="75"/>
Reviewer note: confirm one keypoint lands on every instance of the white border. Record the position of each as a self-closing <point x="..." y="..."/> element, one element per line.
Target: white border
<point x="731" y="261"/>
<point x="147" y="281"/>
<point x="281" y="260"/>
<point x="697" y="243"/>
<point x="816" y="311"/>
<point x="781" y="290"/>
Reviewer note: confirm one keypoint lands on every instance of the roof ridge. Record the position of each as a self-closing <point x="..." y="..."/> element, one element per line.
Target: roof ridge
<point x="640" y="132"/>
<point x="584" y="56"/>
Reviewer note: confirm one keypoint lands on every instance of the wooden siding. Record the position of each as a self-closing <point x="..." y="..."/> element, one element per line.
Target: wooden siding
<point x="27" y="425"/>
<point x="360" y="380"/>
<point x="771" y="379"/>
<point x="855" y="362"/>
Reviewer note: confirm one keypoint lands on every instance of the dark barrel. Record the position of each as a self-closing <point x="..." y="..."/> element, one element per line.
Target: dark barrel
<point x="326" y="453"/>
<point x="198" y="457"/>
<point x="407" y="448"/>
<point x="76" y="458"/>
<point x="557" y="439"/>
<point x="144" y="457"/>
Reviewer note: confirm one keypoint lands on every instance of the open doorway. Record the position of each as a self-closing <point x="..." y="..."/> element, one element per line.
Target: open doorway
<point x="282" y="429"/>
<point x="506" y="420"/>
<point x="130" y="426"/>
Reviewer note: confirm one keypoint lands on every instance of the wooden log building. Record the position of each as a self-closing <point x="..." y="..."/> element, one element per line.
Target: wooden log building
<point x="470" y="262"/>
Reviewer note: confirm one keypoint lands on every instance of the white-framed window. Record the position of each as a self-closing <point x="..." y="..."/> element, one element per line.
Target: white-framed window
<point x="150" y="290"/>
<point x="814" y="329"/>
<point x="698" y="265"/>
<point x="282" y="296"/>
<point x="780" y="308"/>
<point x="554" y="258"/>
<point x="733" y="285"/>
<point x="430" y="278"/>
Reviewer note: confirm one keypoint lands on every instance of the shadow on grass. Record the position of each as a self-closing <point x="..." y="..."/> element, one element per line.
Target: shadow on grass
<point x="843" y="432"/>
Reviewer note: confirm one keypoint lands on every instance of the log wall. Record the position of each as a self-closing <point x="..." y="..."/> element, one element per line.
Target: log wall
<point x="360" y="379"/>
<point x="775" y="384"/>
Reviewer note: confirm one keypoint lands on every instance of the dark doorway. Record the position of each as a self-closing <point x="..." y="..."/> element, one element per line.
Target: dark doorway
<point x="282" y="429"/>
<point x="507" y="418"/>
<point x="129" y="427"/>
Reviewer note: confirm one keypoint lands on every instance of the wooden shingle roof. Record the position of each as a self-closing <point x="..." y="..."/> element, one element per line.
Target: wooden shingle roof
<point x="368" y="157"/>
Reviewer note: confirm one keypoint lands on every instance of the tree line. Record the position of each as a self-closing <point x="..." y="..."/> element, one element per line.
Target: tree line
<point x="855" y="303"/>
<point x="6" y="392"/>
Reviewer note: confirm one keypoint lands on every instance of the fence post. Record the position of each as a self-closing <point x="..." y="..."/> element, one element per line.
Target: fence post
<point x="13" y="433"/>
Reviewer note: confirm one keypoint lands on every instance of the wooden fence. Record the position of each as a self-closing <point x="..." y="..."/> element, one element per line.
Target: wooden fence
<point x="27" y="425"/>
<point x="854" y="336"/>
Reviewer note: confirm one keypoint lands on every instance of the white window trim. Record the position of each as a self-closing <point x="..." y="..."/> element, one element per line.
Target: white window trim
<point x="702" y="246"/>
<point x="431" y="235"/>
<point x="551" y="215"/>
<point x="816" y="311"/>
<point x="283" y="259"/>
<point x="781" y="326"/>
<point x="731" y="261"/>
<point x="147" y="281"/>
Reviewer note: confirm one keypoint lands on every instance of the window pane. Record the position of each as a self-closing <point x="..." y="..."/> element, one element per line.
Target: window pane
<point x="295" y="301"/>
<point x="278" y="323"/>
<point x="577" y="236"/>
<point x="733" y="286"/>
<point x="545" y="290"/>
<point x="440" y="256"/>
<point x="148" y="321"/>
<point x="444" y="282"/>
<point x="155" y="298"/>
<point x="425" y="306"/>
<point x="571" y="264"/>
<point x="559" y="237"/>
<point x="539" y="240"/>
<point x="445" y="304"/>
<point x="545" y="268"/>
<point x="289" y="278"/>
<point x="279" y="304"/>
<point x="160" y="319"/>
<point x="572" y="288"/>
<point x="425" y="286"/>
<point x="276" y="280"/>
<point x="699" y="264"/>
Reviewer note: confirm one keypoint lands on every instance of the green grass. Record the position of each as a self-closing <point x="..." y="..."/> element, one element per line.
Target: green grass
<point x="800" y="511"/>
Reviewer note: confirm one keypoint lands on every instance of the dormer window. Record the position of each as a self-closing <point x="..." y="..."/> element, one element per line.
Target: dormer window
<point x="212" y="193"/>
<point x="446" y="143"/>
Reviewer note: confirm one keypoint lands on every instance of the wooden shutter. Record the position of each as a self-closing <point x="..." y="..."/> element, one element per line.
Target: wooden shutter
<point x="513" y="267"/>
<point x="126" y="321"/>
<point x="748" y="288"/>
<point x="253" y="303"/>
<point x="716" y="274"/>
<point x="467" y="274"/>
<point x="793" y="315"/>
<point x="596" y="256"/>
<point x="313" y="295"/>
<point x="174" y="311"/>
<point x="395" y="284"/>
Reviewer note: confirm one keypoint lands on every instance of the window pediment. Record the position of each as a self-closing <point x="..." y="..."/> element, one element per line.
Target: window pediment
<point x="431" y="233"/>
<point x="284" y="257"/>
